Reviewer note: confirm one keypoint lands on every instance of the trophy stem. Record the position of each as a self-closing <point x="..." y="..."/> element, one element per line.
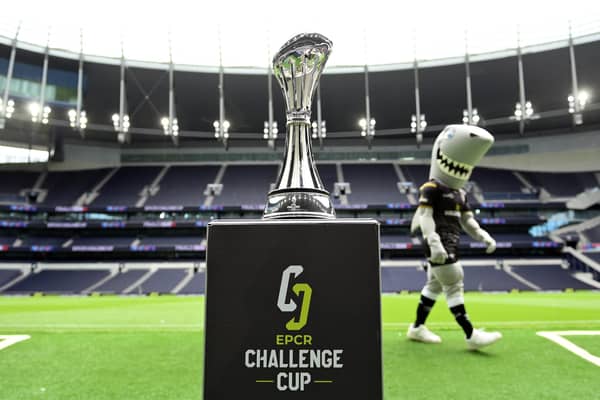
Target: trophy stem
<point x="299" y="192"/>
<point x="298" y="166"/>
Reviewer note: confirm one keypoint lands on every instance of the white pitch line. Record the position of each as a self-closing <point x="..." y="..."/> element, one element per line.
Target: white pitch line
<point x="557" y="337"/>
<point x="504" y="323"/>
<point x="104" y="326"/>
<point x="200" y="326"/>
<point x="9" y="340"/>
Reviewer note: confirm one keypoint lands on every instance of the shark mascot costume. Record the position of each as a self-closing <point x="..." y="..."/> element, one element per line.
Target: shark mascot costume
<point x="442" y="213"/>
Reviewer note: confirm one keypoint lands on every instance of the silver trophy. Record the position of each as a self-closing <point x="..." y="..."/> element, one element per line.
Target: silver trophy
<point x="299" y="192"/>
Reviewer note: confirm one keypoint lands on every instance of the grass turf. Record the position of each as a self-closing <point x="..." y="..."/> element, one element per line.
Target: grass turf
<point x="151" y="348"/>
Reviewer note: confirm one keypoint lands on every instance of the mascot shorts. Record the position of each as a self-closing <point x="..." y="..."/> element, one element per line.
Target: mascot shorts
<point x="447" y="279"/>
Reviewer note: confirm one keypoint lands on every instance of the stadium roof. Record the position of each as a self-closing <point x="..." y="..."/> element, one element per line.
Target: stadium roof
<point x="376" y="32"/>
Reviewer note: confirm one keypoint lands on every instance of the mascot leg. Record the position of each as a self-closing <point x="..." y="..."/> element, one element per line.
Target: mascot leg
<point x="451" y="277"/>
<point x="418" y="331"/>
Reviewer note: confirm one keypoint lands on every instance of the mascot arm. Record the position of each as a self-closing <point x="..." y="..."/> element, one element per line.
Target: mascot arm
<point x="415" y="223"/>
<point x="427" y="224"/>
<point x="470" y="225"/>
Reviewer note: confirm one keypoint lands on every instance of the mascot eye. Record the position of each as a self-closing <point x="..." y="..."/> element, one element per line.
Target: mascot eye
<point x="473" y="135"/>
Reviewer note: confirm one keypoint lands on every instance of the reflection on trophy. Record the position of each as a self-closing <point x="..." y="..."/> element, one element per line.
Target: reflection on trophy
<point x="299" y="192"/>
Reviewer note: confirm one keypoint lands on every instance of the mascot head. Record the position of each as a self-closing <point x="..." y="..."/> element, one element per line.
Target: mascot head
<point x="456" y="151"/>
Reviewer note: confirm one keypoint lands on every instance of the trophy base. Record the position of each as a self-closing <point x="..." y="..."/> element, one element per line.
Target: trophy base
<point x="298" y="203"/>
<point x="262" y="275"/>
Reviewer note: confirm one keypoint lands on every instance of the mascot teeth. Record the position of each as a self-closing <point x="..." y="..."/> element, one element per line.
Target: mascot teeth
<point x="452" y="167"/>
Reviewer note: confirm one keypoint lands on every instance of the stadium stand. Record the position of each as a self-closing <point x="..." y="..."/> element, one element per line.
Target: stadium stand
<point x="498" y="184"/>
<point x="29" y="241"/>
<point x="184" y="186"/>
<point x="64" y="188"/>
<point x="161" y="281"/>
<point x="246" y="185"/>
<point x="417" y="174"/>
<point x="328" y="174"/>
<point x="121" y="281"/>
<point x="125" y="186"/>
<point x="171" y="240"/>
<point x="7" y="240"/>
<point x="549" y="277"/>
<point x="593" y="234"/>
<point x="512" y="238"/>
<point x="562" y="184"/>
<point x="496" y="181"/>
<point x="158" y="212"/>
<point x="397" y="279"/>
<point x="481" y="275"/>
<point x="68" y="281"/>
<point x="373" y="184"/>
<point x="195" y="285"/>
<point x="490" y="279"/>
<point x="398" y="241"/>
<point x="12" y="182"/>
<point x="102" y="241"/>
<point x="393" y="238"/>
<point x="594" y="255"/>
<point x="7" y="275"/>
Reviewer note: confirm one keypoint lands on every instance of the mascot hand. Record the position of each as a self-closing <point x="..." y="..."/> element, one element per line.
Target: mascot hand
<point x="439" y="255"/>
<point x="488" y="240"/>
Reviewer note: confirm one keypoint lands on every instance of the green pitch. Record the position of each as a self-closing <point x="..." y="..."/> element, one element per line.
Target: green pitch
<point x="151" y="348"/>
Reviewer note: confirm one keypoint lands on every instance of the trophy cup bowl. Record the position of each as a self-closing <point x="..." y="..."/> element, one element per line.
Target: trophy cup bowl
<point x="299" y="192"/>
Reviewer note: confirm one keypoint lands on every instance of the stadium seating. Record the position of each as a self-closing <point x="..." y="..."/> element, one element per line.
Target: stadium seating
<point x="7" y="240"/>
<point x="121" y="281"/>
<point x="184" y="186"/>
<point x="328" y="175"/>
<point x="64" y="188"/>
<point x="102" y="241"/>
<point x="171" y="240"/>
<point x="496" y="181"/>
<point x="125" y="186"/>
<point x="593" y="234"/>
<point x="397" y="241"/>
<point x="490" y="279"/>
<point x="246" y="185"/>
<point x="397" y="279"/>
<point x="68" y="281"/>
<point x="480" y="278"/>
<point x="395" y="238"/>
<point x="162" y="281"/>
<point x="562" y="184"/>
<point x="481" y="275"/>
<point x="29" y="241"/>
<point x="373" y="184"/>
<point x="12" y="182"/>
<point x="195" y="285"/>
<point x="594" y="255"/>
<point x="498" y="184"/>
<point x="512" y="238"/>
<point x="7" y="275"/>
<point x="417" y="174"/>
<point x="549" y="277"/>
<point x="163" y="234"/>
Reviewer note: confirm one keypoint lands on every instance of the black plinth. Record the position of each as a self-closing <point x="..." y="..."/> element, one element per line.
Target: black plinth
<point x="293" y="310"/>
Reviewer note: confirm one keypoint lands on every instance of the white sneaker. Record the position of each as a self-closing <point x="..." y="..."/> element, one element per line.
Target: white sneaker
<point x="480" y="338"/>
<point x="422" y="334"/>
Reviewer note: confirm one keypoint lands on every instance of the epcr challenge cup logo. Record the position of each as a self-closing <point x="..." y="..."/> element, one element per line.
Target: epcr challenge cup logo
<point x="301" y="290"/>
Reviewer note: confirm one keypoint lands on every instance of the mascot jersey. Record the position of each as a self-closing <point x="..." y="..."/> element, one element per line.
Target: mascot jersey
<point x="447" y="205"/>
